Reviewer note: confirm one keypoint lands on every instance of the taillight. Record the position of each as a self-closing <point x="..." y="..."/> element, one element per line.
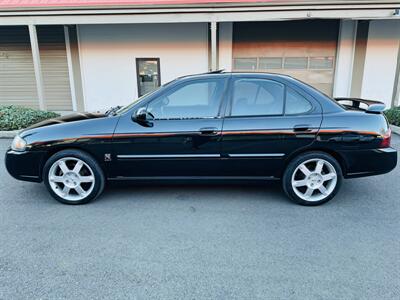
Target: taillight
<point x="386" y="139"/>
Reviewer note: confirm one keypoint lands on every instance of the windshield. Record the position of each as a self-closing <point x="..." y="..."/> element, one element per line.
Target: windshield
<point x="129" y="106"/>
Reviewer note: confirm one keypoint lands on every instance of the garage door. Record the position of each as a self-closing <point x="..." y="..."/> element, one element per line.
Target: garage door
<point x="305" y="50"/>
<point x="53" y="58"/>
<point x="17" y="75"/>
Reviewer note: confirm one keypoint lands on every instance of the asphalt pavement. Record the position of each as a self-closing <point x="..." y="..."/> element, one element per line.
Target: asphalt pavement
<point x="200" y="242"/>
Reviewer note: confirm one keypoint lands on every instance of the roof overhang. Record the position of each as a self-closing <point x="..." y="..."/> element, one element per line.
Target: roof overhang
<point x="32" y="5"/>
<point x="46" y="12"/>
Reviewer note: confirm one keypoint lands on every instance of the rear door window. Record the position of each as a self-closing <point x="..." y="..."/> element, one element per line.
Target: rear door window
<point x="257" y="97"/>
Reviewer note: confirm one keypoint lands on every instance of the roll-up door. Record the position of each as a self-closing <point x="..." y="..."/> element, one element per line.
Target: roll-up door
<point x="305" y="50"/>
<point x="17" y="75"/>
<point x="53" y="56"/>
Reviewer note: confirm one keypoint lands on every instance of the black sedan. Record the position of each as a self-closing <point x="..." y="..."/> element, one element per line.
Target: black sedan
<point x="214" y="126"/>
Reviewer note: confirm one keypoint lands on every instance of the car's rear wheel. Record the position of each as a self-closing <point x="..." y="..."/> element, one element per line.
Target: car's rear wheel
<point x="312" y="178"/>
<point x="73" y="177"/>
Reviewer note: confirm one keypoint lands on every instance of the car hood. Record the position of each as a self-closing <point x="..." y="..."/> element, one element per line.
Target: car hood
<point x="68" y="118"/>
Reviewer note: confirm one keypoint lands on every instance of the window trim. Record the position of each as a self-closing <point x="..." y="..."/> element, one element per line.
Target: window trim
<point x="139" y="59"/>
<point x="231" y="95"/>
<point x="223" y="80"/>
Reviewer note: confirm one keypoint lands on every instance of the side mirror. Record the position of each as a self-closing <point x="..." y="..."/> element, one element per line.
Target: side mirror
<point x="143" y="117"/>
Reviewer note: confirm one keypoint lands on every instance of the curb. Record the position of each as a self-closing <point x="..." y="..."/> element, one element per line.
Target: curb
<point x="8" y="134"/>
<point x="395" y="129"/>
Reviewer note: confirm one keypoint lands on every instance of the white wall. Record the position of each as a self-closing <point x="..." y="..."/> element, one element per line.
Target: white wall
<point x="344" y="58"/>
<point x="381" y="60"/>
<point x="108" y="53"/>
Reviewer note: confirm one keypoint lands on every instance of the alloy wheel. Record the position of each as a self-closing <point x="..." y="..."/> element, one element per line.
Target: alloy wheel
<point x="314" y="180"/>
<point x="71" y="178"/>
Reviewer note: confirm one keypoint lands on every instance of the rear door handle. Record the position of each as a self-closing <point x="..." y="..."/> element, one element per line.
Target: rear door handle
<point x="209" y="131"/>
<point x="301" y="128"/>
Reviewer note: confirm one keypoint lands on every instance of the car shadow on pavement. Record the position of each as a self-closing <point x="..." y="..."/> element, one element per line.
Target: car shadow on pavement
<point x="199" y="191"/>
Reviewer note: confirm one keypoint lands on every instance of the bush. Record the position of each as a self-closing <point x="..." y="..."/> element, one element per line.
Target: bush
<point x="393" y="115"/>
<point x="16" y="117"/>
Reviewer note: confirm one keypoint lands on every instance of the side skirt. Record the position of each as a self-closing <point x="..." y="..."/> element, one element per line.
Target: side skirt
<point x="195" y="178"/>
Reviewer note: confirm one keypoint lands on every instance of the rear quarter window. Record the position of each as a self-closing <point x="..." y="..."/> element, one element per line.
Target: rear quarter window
<point x="296" y="103"/>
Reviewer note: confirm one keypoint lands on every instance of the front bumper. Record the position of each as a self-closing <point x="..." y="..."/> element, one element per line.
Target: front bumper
<point x="369" y="162"/>
<point x="25" y="165"/>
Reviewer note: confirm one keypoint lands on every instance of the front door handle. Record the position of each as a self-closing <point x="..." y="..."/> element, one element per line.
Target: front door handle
<point x="302" y="128"/>
<point x="209" y="131"/>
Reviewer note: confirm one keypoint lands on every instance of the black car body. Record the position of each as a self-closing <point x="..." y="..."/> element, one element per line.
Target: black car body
<point x="242" y="140"/>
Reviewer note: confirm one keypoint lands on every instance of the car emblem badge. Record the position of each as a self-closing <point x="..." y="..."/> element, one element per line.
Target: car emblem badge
<point x="107" y="157"/>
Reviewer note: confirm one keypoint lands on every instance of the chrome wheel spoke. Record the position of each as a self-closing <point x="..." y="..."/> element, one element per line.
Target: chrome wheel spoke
<point x="63" y="167"/>
<point x="66" y="190"/>
<point x="318" y="168"/>
<point x="78" y="167"/>
<point x="86" y="178"/>
<point x="80" y="190"/>
<point x="323" y="190"/>
<point x="299" y="183"/>
<point x="308" y="193"/>
<point x="304" y="169"/>
<point x="328" y="176"/>
<point x="55" y="178"/>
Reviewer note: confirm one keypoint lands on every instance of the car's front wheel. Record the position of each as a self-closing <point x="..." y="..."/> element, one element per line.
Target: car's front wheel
<point x="312" y="178"/>
<point x="73" y="177"/>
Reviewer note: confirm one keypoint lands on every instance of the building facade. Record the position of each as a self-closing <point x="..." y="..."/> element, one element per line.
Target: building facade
<point x="90" y="55"/>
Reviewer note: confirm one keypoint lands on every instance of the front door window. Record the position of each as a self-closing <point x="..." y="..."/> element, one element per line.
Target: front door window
<point x="193" y="100"/>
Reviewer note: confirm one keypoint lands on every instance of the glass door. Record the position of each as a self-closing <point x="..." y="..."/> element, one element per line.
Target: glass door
<point x="148" y="75"/>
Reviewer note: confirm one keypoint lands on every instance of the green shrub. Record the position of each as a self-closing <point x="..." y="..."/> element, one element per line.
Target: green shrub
<point x="393" y="115"/>
<point x="16" y="117"/>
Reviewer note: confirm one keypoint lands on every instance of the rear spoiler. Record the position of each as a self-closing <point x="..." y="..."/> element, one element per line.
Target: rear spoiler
<point x="369" y="106"/>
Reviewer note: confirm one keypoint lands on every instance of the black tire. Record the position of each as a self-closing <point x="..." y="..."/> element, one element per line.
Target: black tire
<point x="99" y="179"/>
<point x="296" y="162"/>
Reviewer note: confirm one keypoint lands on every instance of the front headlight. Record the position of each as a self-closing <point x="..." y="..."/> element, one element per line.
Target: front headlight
<point x="18" y="144"/>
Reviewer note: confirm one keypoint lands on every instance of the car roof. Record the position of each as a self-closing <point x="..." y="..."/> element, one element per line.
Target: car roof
<point x="223" y="73"/>
<point x="328" y="104"/>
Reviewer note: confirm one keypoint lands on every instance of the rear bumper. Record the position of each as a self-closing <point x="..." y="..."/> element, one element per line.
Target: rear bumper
<point x="370" y="162"/>
<point x="25" y="165"/>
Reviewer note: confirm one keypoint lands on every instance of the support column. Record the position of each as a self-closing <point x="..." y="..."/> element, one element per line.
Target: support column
<point x="396" y="87"/>
<point x="225" y="36"/>
<point x="345" y="58"/>
<point x="70" y="68"/>
<point x="37" y="66"/>
<point x="359" y="58"/>
<point x="214" y="62"/>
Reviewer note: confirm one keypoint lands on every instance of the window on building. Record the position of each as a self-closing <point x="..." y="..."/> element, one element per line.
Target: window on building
<point x="148" y="75"/>
<point x="296" y="103"/>
<point x="257" y="97"/>
<point x="267" y="63"/>
<point x="245" y="64"/>
<point x="198" y="99"/>
<point x="321" y="62"/>
<point x="296" y="63"/>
